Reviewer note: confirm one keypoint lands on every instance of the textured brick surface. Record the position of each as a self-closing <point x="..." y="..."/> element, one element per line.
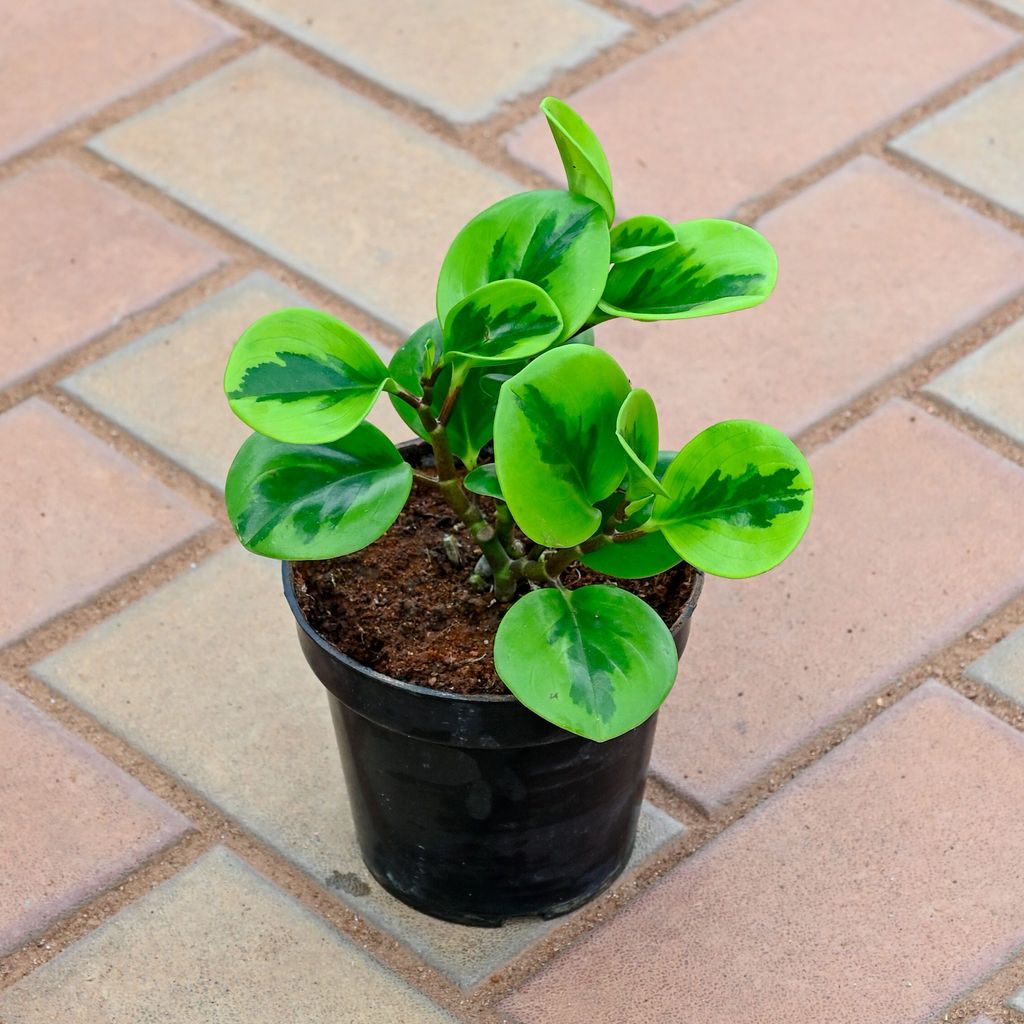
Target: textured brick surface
<point x="854" y="303"/>
<point x="72" y="822"/>
<point x="62" y="59"/>
<point x="870" y="889"/>
<point x="206" y="676"/>
<point x="81" y="516"/>
<point x="437" y="54"/>
<point x="1002" y="666"/>
<point x="167" y="387"/>
<point x="371" y="203"/>
<point x="917" y="534"/>
<point x="978" y="141"/>
<point x="76" y="257"/>
<point x="217" y="943"/>
<point x="986" y="383"/>
<point x="658" y="8"/>
<point x="762" y="90"/>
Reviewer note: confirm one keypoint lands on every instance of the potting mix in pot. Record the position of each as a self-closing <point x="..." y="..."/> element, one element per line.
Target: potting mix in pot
<point x="498" y="610"/>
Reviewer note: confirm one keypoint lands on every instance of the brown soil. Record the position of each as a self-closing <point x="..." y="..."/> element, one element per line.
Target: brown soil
<point x="403" y="608"/>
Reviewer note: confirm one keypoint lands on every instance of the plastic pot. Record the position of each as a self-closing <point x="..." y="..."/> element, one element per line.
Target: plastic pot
<point x="472" y="808"/>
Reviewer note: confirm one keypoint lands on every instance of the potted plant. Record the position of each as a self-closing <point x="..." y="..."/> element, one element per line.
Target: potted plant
<point x="495" y="663"/>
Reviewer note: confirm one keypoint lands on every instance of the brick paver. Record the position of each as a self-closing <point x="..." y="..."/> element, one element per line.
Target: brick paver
<point x="1002" y="667"/>
<point x="218" y="942"/>
<point x="206" y="676"/>
<point x="662" y="7"/>
<point x="79" y="516"/>
<point x="986" y="383"/>
<point x="978" y="141"/>
<point x="870" y="889"/>
<point x="854" y="303"/>
<point x="346" y="144"/>
<point x="73" y="824"/>
<point x="436" y="57"/>
<point x="371" y="204"/>
<point x="63" y="59"/>
<point x="76" y="257"/>
<point x="916" y="535"/>
<point x="760" y="91"/>
<point x="167" y="387"/>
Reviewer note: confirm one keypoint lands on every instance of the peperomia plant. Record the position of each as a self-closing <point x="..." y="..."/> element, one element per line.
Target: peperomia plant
<point x="577" y="475"/>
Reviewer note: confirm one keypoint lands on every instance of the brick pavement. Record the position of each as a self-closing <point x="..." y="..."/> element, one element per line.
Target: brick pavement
<point x="831" y="833"/>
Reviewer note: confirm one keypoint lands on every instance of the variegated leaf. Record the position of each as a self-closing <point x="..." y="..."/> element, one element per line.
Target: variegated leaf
<point x="740" y="499"/>
<point x="555" y="447"/>
<point x="638" y="236"/>
<point x="715" y="266"/>
<point x="637" y="430"/>
<point x="553" y="239"/>
<point x="586" y="166"/>
<point x="302" y="377"/>
<point x="316" y="501"/>
<point x="498" y="323"/>
<point x="596" y="661"/>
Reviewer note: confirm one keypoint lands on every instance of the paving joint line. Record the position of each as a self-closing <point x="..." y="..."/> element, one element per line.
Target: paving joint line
<point x="675" y="23"/>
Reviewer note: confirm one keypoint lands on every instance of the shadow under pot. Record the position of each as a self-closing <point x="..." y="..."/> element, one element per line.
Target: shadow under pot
<point x="472" y="808"/>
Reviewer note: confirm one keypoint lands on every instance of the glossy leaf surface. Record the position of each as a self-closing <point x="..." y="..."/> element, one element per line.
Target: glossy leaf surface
<point x="715" y="266"/>
<point x="484" y="480"/>
<point x="595" y="661"/>
<point x="553" y="239"/>
<point x="472" y="421"/>
<point x="586" y="166"/>
<point x="500" y="322"/>
<point x="303" y="377"/>
<point x="638" y="236"/>
<point x="635" y="559"/>
<point x="740" y="499"/>
<point x="316" y="501"/>
<point x="555" y="447"/>
<point x="637" y="431"/>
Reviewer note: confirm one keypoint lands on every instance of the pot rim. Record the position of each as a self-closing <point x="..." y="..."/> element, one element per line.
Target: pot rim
<point x="416" y="689"/>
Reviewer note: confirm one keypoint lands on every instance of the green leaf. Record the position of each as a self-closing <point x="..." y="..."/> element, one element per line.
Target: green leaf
<point x="586" y="166"/>
<point x="484" y="480"/>
<point x="316" y="501"/>
<point x="648" y="555"/>
<point x="471" y="424"/>
<point x="303" y="377"/>
<point x="595" y="661"/>
<point x="715" y="266"/>
<point x="638" y="236"/>
<point x="554" y="442"/>
<point x="740" y="499"/>
<point x="553" y="239"/>
<point x="637" y="430"/>
<point x="500" y="322"/>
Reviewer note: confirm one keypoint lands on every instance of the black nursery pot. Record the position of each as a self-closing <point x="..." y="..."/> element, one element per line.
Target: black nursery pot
<point x="472" y="808"/>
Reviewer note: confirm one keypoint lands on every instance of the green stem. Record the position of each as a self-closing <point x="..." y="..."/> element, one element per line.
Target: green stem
<point x="451" y="488"/>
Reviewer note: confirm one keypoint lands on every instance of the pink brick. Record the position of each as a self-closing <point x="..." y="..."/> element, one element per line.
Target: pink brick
<point x="917" y="535"/>
<point x="879" y="886"/>
<point x="761" y="91"/>
<point x="76" y="257"/>
<point x="866" y="286"/>
<point x="72" y="823"/>
<point x="63" y="59"/>
<point x="77" y="515"/>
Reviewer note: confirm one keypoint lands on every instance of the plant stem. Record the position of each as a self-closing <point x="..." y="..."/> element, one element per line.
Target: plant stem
<point x="451" y="487"/>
